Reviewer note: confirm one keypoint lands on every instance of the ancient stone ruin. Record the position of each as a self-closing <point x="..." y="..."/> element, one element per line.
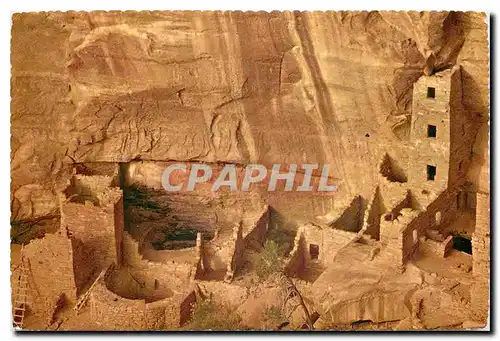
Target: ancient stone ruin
<point x="398" y="107"/>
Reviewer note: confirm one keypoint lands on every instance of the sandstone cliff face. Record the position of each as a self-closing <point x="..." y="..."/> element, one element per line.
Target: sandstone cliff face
<point x="279" y="87"/>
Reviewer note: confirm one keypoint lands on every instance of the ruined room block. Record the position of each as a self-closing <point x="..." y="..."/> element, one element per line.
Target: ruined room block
<point x="92" y="211"/>
<point x="51" y="264"/>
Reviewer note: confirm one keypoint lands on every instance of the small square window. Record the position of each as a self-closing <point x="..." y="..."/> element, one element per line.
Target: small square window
<point x="431" y="172"/>
<point x="314" y="251"/>
<point x="431" y="131"/>
<point x="431" y="92"/>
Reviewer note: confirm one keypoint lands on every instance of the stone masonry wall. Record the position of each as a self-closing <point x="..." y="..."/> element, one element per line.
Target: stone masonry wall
<point x="236" y="248"/>
<point x="438" y="248"/>
<point x="433" y="151"/>
<point x="463" y="131"/>
<point x="178" y="312"/>
<point x="352" y="218"/>
<point x="110" y="169"/>
<point x="98" y="227"/>
<point x="393" y="236"/>
<point x="258" y="230"/>
<point x="50" y="270"/>
<point x="114" y="312"/>
<point x="90" y="185"/>
<point x="375" y="210"/>
<point x="445" y="204"/>
<point x="84" y="268"/>
<point x="481" y="259"/>
<point x="174" y="274"/>
<point x="296" y="260"/>
<point x="119" y="224"/>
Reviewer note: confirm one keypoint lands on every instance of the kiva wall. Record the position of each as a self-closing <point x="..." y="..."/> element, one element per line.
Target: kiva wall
<point x="176" y="274"/>
<point x="117" y="313"/>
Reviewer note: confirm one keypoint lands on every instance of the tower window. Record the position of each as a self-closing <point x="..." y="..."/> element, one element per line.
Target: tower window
<point x="314" y="251"/>
<point x="431" y="131"/>
<point x="431" y="92"/>
<point x="431" y="172"/>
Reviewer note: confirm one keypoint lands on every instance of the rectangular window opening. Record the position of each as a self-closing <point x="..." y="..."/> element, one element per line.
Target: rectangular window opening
<point x="314" y="251"/>
<point x="431" y="131"/>
<point x="431" y="172"/>
<point x="431" y="92"/>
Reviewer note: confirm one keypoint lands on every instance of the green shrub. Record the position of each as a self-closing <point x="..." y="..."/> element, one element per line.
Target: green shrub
<point x="283" y="237"/>
<point x="273" y="317"/>
<point x="208" y="315"/>
<point x="269" y="261"/>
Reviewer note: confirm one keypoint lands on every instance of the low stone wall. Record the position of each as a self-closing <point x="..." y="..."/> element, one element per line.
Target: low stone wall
<point x="224" y="252"/>
<point x="437" y="248"/>
<point x="87" y="186"/>
<point x="109" y="169"/>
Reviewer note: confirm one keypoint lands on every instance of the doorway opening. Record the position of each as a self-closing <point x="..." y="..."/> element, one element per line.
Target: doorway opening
<point x="462" y="244"/>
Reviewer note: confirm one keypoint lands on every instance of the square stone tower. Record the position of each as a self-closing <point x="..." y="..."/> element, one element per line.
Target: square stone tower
<point x="92" y="211"/>
<point x="441" y="134"/>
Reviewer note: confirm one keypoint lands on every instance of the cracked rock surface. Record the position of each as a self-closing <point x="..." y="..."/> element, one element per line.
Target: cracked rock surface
<point x="235" y="87"/>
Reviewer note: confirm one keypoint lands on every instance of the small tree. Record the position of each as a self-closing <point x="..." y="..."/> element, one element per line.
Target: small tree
<point x="269" y="261"/>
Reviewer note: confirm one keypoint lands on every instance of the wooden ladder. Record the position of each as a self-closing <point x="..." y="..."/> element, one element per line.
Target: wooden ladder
<point x="21" y="297"/>
<point x="85" y="297"/>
